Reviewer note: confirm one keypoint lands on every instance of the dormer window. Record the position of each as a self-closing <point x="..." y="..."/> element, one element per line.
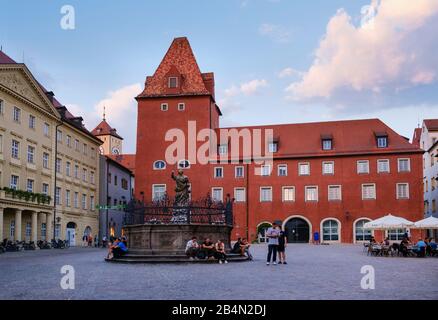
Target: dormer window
<point x="327" y="142"/>
<point x="381" y="139"/>
<point x="273" y="147"/>
<point x="173" y="82"/>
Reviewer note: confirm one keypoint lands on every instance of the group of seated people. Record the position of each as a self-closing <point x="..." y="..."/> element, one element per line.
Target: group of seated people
<point x="428" y="246"/>
<point x="209" y="250"/>
<point x="117" y="248"/>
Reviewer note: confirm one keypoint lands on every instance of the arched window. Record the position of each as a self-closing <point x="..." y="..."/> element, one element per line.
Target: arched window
<point x="183" y="164"/>
<point x="362" y="234"/>
<point x="330" y="230"/>
<point x="159" y="165"/>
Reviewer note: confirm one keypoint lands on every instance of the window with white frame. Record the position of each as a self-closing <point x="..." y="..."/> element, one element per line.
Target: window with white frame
<point x="159" y="165"/>
<point x="43" y="230"/>
<point x="311" y="193"/>
<point x="12" y="229"/>
<point x="239" y="172"/>
<point x="402" y="191"/>
<point x="330" y="230"/>
<point x="15" y="151"/>
<point x="239" y="194"/>
<point x="382" y="142"/>
<point x="334" y="193"/>
<point x="273" y="147"/>
<point x="16" y="114"/>
<point x="173" y="82"/>
<point x="59" y="135"/>
<point x="68" y="168"/>
<point x="404" y="165"/>
<point x="164" y="107"/>
<point x="58" y="164"/>
<point x="396" y="234"/>
<point x="68" y="141"/>
<point x="223" y="149"/>
<point x="84" y="175"/>
<point x="45" y="189"/>
<point x="92" y="204"/>
<point x="363" y="166"/>
<point x="328" y="167"/>
<point x="304" y="169"/>
<point x="29" y="186"/>
<point x="217" y="194"/>
<point x="361" y="233"/>
<point x="30" y="154"/>
<point x="282" y="170"/>
<point x="158" y="192"/>
<point x="265" y="170"/>
<point x="85" y="149"/>
<point x="76" y="200"/>
<point x="184" y="164"/>
<point x="84" y="201"/>
<point x="45" y="160"/>
<point x="92" y="177"/>
<point x="288" y="194"/>
<point x="265" y="194"/>
<point x="218" y="172"/>
<point x="368" y="191"/>
<point x="2" y="107"/>
<point x="76" y="172"/>
<point x="76" y="144"/>
<point x="181" y="106"/>
<point x="58" y="196"/>
<point x="327" y="144"/>
<point x="31" y="121"/>
<point x="383" y="166"/>
<point x="46" y="129"/>
<point x="67" y="198"/>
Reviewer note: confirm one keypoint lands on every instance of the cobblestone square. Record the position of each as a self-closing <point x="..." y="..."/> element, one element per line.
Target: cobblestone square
<point x="313" y="272"/>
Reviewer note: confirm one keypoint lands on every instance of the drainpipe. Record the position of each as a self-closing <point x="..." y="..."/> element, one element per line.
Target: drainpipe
<point x="247" y="202"/>
<point x="107" y="204"/>
<point x="55" y="185"/>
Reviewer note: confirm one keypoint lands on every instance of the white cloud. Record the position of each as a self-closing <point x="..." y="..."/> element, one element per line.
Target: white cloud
<point x="229" y="98"/>
<point x="290" y="72"/>
<point x="275" y="32"/>
<point x="253" y="86"/>
<point x="388" y="54"/>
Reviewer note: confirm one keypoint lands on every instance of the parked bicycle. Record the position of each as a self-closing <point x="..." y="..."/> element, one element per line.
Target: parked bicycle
<point x="43" y="244"/>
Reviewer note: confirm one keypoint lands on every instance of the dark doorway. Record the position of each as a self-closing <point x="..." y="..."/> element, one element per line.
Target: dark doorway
<point x="297" y="231"/>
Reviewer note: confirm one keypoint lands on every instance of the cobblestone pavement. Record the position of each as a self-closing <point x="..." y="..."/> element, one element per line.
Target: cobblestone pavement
<point x="313" y="272"/>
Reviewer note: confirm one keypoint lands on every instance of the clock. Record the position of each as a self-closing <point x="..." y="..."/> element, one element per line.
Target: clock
<point x="115" y="150"/>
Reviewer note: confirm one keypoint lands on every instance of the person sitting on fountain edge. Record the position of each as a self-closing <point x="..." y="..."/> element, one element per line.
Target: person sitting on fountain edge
<point x="220" y="252"/>
<point x="117" y="249"/>
<point x="207" y="249"/>
<point x="192" y="248"/>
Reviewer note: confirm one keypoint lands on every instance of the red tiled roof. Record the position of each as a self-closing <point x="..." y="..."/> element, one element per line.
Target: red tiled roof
<point x="104" y="128"/>
<point x="431" y="124"/>
<point x="349" y="137"/>
<point x="417" y="136"/>
<point x="5" y="59"/>
<point x="126" y="160"/>
<point x="179" y="61"/>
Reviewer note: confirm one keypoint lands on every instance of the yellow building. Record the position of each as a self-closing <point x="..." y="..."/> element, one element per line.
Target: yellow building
<point x="49" y="163"/>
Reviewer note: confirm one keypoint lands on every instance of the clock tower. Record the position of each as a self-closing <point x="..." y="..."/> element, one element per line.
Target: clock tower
<point x="112" y="142"/>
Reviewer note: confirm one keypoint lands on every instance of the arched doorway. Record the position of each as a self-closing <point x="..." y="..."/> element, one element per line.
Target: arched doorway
<point x="297" y="230"/>
<point x="70" y="233"/>
<point x="261" y="231"/>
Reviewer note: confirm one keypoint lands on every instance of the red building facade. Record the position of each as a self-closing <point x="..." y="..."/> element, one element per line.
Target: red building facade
<point x="326" y="177"/>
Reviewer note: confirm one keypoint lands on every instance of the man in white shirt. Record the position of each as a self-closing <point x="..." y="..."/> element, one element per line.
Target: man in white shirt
<point x="272" y="234"/>
<point x="192" y="248"/>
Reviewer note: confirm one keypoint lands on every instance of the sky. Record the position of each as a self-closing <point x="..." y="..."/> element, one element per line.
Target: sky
<point x="275" y="61"/>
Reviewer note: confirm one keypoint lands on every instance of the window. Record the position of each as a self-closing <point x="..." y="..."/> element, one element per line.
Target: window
<point x="16" y="115"/>
<point x="76" y="144"/>
<point x="92" y="177"/>
<point x="93" y="153"/>
<point x="68" y="141"/>
<point x="30" y="154"/>
<point x="43" y="230"/>
<point x="58" y="196"/>
<point x="12" y="229"/>
<point x="362" y="234"/>
<point x="67" y="198"/>
<point x="239" y="194"/>
<point x="15" y="149"/>
<point x="218" y="172"/>
<point x="109" y="177"/>
<point x="45" y="160"/>
<point x="404" y="165"/>
<point x="58" y="165"/>
<point x="164" y="107"/>
<point x="383" y="166"/>
<point x="158" y="192"/>
<point x="84" y="201"/>
<point x="328" y="167"/>
<point x="173" y="82"/>
<point x="288" y="194"/>
<point x="2" y="107"/>
<point x="28" y="230"/>
<point x="363" y="167"/>
<point x="327" y="144"/>
<point x="382" y="142"/>
<point x="217" y="194"/>
<point x="59" y="135"/>
<point x="159" y="165"/>
<point x="29" y="186"/>
<point x="239" y="172"/>
<point x="76" y="172"/>
<point x="330" y="230"/>
<point x="76" y="200"/>
<point x="282" y="170"/>
<point x="273" y="147"/>
<point x="46" y="129"/>
<point x="265" y="170"/>
<point x="84" y="175"/>
<point x="396" y="234"/>
<point x="92" y="205"/>
<point x="223" y="149"/>
<point x="45" y="189"/>
<point x="31" y="121"/>
<point x="181" y="106"/>
<point x="85" y="148"/>
<point x="402" y="191"/>
<point x="124" y="184"/>
<point x="304" y="169"/>
<point x="311" y="193"/>
<point x="265" y="194"/>
<point x="183" y="164"/>
<point x="334" y="193"/>
<point x="115" y="180"/>
<point x="68" y="169"/>
<point x="433" y="205"/>
<point x="368" y="191"/>
<point x="1" y="143"/>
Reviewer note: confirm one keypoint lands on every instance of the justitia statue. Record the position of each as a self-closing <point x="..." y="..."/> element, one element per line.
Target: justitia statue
<point x="182" y="188"/>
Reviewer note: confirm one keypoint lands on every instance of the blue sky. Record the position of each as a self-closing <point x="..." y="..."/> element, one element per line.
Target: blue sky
<point x="275" y="61"/>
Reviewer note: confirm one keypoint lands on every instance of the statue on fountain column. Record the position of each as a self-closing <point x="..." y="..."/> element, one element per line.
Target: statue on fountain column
<point x="182" y="189"/>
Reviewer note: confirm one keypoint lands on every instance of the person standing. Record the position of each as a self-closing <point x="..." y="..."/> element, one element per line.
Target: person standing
<point x="282" y="242"/>
<point x="272" y="233"/>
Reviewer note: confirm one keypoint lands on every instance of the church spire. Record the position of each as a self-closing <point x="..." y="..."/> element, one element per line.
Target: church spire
<point x="104" y="113"/>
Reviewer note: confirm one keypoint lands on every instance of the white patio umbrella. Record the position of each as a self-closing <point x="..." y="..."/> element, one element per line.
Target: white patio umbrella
<point x="428" y="223"/>
<point x="389" y="222"/>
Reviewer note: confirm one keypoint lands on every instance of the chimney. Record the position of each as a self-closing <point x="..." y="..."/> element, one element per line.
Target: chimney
<point x="50" y="95"/>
